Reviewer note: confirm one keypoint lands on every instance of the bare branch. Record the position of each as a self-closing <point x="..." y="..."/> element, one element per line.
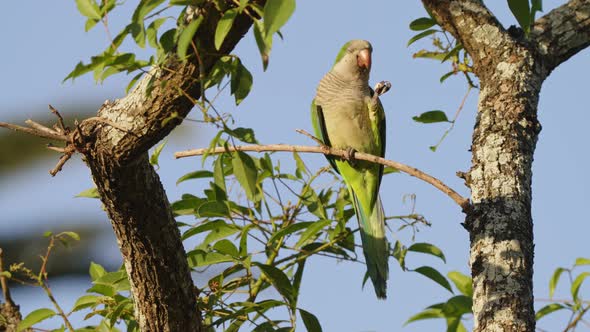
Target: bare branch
<point x="460" y="200"/>
<point x="34" y="132"/>
<point x="563" y="32"/>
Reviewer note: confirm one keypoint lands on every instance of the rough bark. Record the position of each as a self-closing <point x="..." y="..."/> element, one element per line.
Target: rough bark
<point x="131" y="190"/>
<point x="511" y="69"/>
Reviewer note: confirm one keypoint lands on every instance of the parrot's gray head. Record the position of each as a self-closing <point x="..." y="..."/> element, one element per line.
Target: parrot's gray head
<point x="354" y="60"/>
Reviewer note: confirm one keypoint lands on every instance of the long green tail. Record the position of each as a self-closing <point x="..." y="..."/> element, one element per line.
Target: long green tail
<point x="375" y="245"/>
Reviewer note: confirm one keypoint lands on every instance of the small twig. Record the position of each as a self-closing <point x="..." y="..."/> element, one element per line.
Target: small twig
<point x="33" y="132"/>
<point x="40" y="127"/>
<point x="67" y="155"/>
<point x="573" y="323"/>
<point x="317" y="140"/>
<point x="56" y="148"/>
<point x="60" y="119"/>
<point x="460" y="200"/>
<point x="42" y="280"/>
<point x="5" y="290"/>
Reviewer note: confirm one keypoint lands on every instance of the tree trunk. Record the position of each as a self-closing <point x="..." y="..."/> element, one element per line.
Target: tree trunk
<point x="511" y="69"/>
<point x="115" y="146"/>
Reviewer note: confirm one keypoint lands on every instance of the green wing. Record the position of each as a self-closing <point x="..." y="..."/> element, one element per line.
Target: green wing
<point x="381" y="129"/>
<point x="319" y="127"/>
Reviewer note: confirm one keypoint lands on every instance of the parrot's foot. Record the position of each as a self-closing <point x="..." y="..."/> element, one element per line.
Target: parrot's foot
<point x="382" y="87"/>
<point x="349" y="156"/>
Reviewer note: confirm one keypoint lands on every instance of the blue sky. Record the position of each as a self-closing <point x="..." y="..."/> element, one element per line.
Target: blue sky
<point x="37" y="55"/>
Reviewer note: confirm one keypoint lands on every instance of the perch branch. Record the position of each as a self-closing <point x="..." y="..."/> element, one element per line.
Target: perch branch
<point x="460" y="200"/>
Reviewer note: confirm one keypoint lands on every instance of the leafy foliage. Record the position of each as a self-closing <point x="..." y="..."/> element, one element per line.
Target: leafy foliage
<point x="574" y="303"/>
<point x="256" y="224"/>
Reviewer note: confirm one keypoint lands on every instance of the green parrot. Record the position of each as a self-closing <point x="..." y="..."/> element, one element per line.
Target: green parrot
<point x="347" y="114"/>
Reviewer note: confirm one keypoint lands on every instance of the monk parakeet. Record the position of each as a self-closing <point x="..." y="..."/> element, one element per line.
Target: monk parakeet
<point x="347" y="114"/>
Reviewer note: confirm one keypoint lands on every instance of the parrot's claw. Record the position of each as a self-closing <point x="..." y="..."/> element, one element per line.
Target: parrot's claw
<point x="349" y="156"/>
<point x="382" y="87"/>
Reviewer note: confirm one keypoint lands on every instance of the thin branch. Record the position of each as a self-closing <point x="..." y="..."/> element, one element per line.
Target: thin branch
<point x="5" y="289"/>
<point x="460" y="200"/>
<point x="60" y="119"/>
<point x="34" y="132"/>
<point x="66" y="156"/>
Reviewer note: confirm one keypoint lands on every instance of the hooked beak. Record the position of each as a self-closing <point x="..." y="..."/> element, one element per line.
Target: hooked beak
<point x="363" y="59"/>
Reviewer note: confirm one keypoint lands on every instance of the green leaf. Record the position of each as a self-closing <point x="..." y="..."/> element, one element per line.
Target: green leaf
<point x="420" y="36"/>
<point x="311" y="322"/>
<point x="168" y="40"/>
<point x="243" y="134"/>
<point x="422" y="23"/>
<point x="447" y="75"/>
<point x="220" y="231"/>
<point x="200" y="174"/>
<point x="536" y="6"/>
<point x="546" y="310"/>
<point x="301" y="169"/>
<point x="96" y="271"/>
<point x="72" y="235"/>
<point x="289" y="230"/>
<point x="152" y="31"/>
<point x="156" y="155"/>
<point x="399" y="253"/>
<point x="5" y="274"/>
<point x="521" y="11"/>
<point x="226" y="247"/>
<point x="133" y="81"/>
<point x="85" y="301"/>
<point x="454" y="325"/>
<point x="264" y="43"/>
<point x="186" y="37"/>
<point x="224" y="25"/>
<point x="425" y="314"/>
<point x="311" y="232"/>
<point x="213" y="209"/>
<point x="138" y="33"/>
<point x="187" y="205"/>
<point x="313" y="203"/>
<point x="35" y="317"/>
<point x="458" y="305"/>
<point x="582" y="261"/>
<point x="89" y="193"/>
<point x="219" y="174"/>
<point x="200" y="257"/>
<point x="90" y="23"/>
<point x="435" y="276"/>
<point x="427" y="248"/>
<point x="431" y="117"/>
<point x="246" y="174"/>
<point x="204" y="227"/>
<point x="389" y="170"/>
<point x="276" y="14"/>
<point x="554" y="280"/>
<point x="112" y="278"/>
<point x="241" y="82"/>
<point x="462" y="282"/>
<point x="88" y="8"/>
<point x="453" y="52"/>
<point x="279" y="280"/>
<point x="577" y="284"/>
<point x="430" y="55"/>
